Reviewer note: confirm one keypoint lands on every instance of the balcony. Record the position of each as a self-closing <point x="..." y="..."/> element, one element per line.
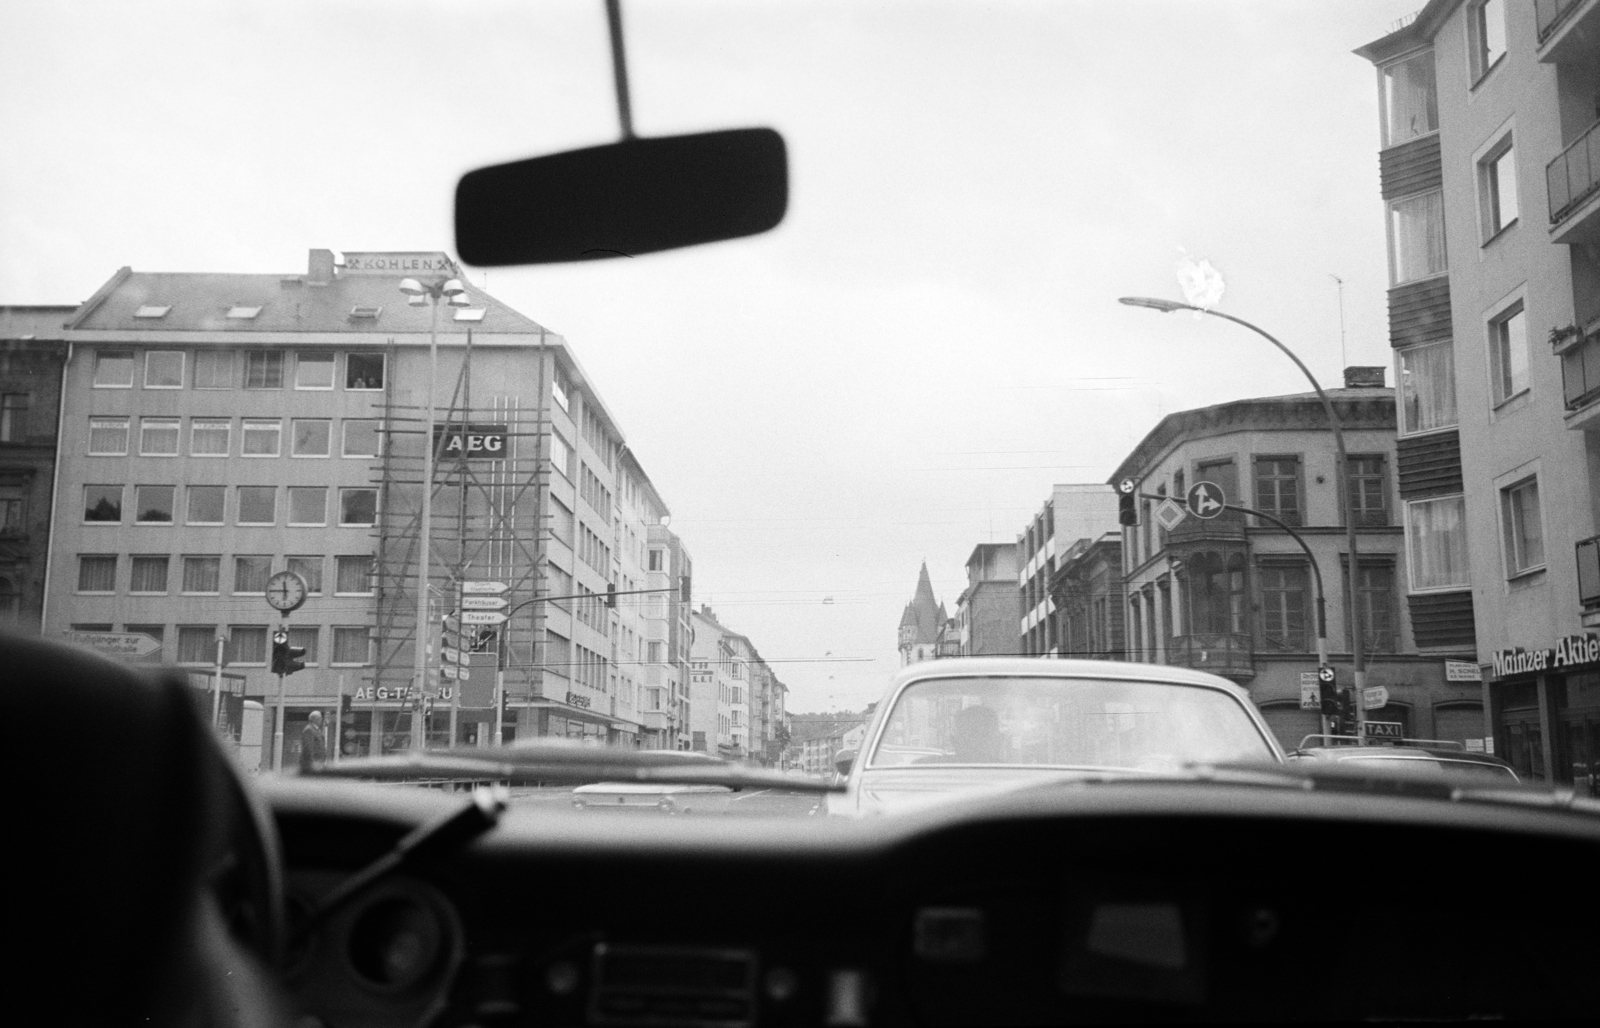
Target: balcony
<point x="1573" y="183"/>
<point x="1221" y="653"/>
<point x="1589" y="573"/>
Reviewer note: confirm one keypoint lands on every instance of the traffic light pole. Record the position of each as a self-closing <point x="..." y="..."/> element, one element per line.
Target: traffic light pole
<point x="277" y="726"/>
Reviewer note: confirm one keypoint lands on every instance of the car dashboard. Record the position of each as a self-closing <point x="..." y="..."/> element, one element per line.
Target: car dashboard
<point x="1103" y="902"/>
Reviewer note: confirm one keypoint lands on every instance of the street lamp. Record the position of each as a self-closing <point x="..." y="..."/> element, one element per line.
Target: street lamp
<point x="444" y="291"/>
<point x="1353" y="593"/>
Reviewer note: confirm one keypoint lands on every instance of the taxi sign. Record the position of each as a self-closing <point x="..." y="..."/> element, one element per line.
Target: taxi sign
<point x="1206" y="500"/>
<point x="1383" y="730"/>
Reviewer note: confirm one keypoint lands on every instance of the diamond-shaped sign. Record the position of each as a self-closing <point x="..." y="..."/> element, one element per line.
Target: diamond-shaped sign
<point x="1169" y="514"/>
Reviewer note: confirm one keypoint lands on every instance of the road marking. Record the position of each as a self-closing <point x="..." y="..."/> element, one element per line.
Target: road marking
<point x="747" y="795"/>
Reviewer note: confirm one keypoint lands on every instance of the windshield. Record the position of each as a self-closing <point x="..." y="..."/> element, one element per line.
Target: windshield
<point x="1065" y="722"/>
<point x="1030" y="369"/>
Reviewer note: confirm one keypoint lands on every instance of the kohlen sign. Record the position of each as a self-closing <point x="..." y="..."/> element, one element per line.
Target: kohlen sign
<point x="1570" y="652"/>
<point x="474" y="442"/>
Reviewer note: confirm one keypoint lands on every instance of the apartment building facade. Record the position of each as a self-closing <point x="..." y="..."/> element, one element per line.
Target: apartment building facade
<point x="1236" y="596"/>
<point x="32" y="354"/>
<point x="1089" y="600"/>
<point x="1490" y="159"/>
<point x="666" y="702"/>
<point x="719" y="688"/>
<point x="990" y="607"/>
<point x="1072" y="512"/>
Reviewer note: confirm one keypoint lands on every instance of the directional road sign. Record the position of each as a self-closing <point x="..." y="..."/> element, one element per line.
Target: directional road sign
<point x="1169" y="514"/>
<point x="1127" y="485"/>
<point x="482" y="617"/>
<point x="116" y="644"/>
<point x="459" y="674"/>
<point x="491" y="588"/>
<point x="1206" y="500"/>
<point x="1374" y="697"/>
<point x="482" y="602"/>
<point x="450" y="655"/>
<point x="1382" y="729"/>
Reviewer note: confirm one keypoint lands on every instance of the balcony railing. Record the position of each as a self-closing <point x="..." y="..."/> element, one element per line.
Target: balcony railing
<point x="1589" y="572"/>
<point x="1217" y="652"/>
<point x="1575" y="174"/>
<point x="1549" y="13"/>
<point x="1580" y="373"/>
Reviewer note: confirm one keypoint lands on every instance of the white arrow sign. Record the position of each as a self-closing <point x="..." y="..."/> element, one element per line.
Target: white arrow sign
<point x="491" y="588"/>
<point x="1374" y="697"/>
<point x="1206" y="500"/>
<point x="482" y="602"/>
<point x="459" y="674"/>
<point x="116" y="644"/>
<point x="482" y="617"/>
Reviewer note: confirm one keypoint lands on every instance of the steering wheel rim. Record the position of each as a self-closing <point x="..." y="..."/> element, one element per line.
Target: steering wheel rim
<point x="247" y="881"/>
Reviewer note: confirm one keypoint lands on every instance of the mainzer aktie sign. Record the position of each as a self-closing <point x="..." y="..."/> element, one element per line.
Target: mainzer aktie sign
<point x="1568" y="653"/>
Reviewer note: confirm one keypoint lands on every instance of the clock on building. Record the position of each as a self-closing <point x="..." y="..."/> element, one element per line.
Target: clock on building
<point x="286" y="591"/>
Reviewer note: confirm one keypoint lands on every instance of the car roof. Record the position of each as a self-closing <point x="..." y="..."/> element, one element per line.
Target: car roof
<point x="1401" y="753"/>
<point x="1064" y="667"/>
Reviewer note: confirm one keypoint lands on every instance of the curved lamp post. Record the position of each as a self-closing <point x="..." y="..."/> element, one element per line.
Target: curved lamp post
<point x="1353" y="588"/>
<point x="443" y="291"/>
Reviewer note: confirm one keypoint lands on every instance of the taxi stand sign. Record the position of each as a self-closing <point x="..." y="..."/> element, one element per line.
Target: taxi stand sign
<point x="1382" y="730"/>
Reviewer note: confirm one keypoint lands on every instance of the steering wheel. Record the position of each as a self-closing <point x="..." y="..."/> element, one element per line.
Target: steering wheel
<point x="246" y="875"/>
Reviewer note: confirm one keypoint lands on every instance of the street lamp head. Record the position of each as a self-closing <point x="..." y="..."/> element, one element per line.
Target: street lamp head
<point x="460" y="300"/>
<point x="453" y="287"/>
<point x="411" y="287"/>
<point x="1155" y="304"/>
<point x="420" y="300"/>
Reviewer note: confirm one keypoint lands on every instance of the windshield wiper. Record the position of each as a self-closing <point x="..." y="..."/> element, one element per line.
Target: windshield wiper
<point x="550" y="764"/>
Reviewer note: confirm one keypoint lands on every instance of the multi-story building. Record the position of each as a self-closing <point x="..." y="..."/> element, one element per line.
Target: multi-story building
<point x="1236" y="596"/>
<point x="1089" y="599"/>
<point x="922" y="624"/>
<point x="769" y="731"/>
<point x="32" y="355"/>
<point x="990" y="607"/>
<point x="1073" y="512"/>
<point x="815" y="739"/>
<point x="221" y="428"/>
<point x="666" y="702"/>
<point x="1490" y="166"/>
<point x="719" y="688"/>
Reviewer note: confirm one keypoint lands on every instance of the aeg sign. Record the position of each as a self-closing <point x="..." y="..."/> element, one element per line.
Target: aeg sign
<point x="474" y="442"/>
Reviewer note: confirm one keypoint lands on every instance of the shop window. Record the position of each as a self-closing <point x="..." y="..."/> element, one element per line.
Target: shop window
<point x="153" y="504"/>
<point x="309" y="568"/>
<point x="363" y="371"/>
<point x="1458" y="722"/>
<point x="102" y="504"/>
<point x="97" y="572"/>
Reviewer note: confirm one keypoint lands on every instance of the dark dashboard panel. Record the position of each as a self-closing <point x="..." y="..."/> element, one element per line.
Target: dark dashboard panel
<point x="1026" y="916"/>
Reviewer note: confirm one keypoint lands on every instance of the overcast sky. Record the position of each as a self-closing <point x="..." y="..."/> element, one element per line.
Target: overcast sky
<point x="895" y="374"/>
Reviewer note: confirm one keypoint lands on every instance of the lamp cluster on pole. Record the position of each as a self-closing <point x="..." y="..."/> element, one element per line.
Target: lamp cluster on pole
<point x="419" y="294"/>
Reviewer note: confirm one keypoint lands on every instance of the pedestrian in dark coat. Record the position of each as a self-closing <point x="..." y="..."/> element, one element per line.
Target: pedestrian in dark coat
<point x="313" y="748"/>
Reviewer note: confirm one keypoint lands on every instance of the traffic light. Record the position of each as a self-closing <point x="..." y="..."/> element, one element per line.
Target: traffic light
<point x="1127" y="513"/>
<point x="611" y="594"/>
<point x="346" y="706"/>
<point x="683" y="589"/>
<point x="285" y="658"/>
<point x="1325" y="687"/>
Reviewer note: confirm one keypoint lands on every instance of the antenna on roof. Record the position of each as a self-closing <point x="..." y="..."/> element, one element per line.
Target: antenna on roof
<point x="1344" y="361"/>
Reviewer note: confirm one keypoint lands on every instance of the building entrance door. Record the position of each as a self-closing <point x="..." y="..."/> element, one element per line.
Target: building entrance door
<point x="1525" y="745"/>
<point x="1581" y="735"/>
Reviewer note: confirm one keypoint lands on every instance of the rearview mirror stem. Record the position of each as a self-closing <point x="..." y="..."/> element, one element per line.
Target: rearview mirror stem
<point x="619" y="67"/>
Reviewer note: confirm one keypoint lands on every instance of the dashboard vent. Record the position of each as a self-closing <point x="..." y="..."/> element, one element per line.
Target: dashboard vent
<point x="673" y="985"/>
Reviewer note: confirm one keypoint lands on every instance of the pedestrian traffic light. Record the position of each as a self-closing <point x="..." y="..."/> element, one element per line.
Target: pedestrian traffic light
<point x="611" y="594"/>
<point x="285" y="658"/>
<point x="1127" y="512"/>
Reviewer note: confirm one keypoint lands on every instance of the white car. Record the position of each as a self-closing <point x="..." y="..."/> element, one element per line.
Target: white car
<point x="954" y="727"/>
<point x="666" y="798"/>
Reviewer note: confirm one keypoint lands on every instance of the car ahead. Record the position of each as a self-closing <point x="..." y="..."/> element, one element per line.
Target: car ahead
<point x="976" y="724"/>
<point x="1413" y="756"/>
<point x="667" y="798"/>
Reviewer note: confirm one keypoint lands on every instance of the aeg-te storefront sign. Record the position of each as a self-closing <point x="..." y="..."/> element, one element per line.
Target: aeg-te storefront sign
<point x="475" y="442"/>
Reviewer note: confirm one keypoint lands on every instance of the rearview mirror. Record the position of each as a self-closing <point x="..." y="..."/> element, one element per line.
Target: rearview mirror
<point x="623" y="199"/>
<point x="844" y="760"/>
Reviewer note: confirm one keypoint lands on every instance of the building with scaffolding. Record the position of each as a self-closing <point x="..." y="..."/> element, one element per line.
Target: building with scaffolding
<point x="221" y="428"/>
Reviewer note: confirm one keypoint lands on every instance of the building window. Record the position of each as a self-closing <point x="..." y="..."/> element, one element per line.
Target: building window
<point x="658" y="560"/>
<point x="561" y="455"/>
<point x="97" y="572"/>
<point x="1221" y="473"/>
<point x="354" y="575"/>
<point x="561" y="390"/>
<point x="1497" y="188"/>
<point x="1436" y="544"/>
<point x="306" y="639"/>
<point x="210" y="437"/>
<point x="1508" y="352"/>
<point x="13" y="417"/>
<point x="312" y="437"/>
<point x="13" y="515"/>
<point x="197" y="644"/>
<point x="1410" y="99"/>
<point x="308" y="505"/>
<point x="153" y="504"/>
<point x="206" y="504"/>
<point x="250" y="574"/>
<point x="1486" y="31"/>
<point x="148" y="575"/>
<point x="261" y="437"/>
<point x="1284" y="607"/>
<point x="1523" y="527"/>
<point x="258" y="505"/>
<point x="163" y="369"/>
<point x="108" y="437"/>
<point x="158" y="437"/>
<point x="113" y="369"/>
<point x="202" y="575"/>
<point x="313" y="371"/>
<point x="1427" y="388"/>
<point x="263" y="369"/>
<point x="309" y="568"/>
<point x="103" y="504"/>
<point x="363" y="371"/>
<point x="360" y="437"/>
<point x="352" y="645"/>
<point x="1278" y="487"/>
<point x="1216" y="600"/>
<point x="247" y="644"/>
<point x="358" y="507"/>
<point x="1376" y="584"/>
<point x="1416" y="237"/>
<point x="1368" y="482"/>
<point x="213" y="369"/>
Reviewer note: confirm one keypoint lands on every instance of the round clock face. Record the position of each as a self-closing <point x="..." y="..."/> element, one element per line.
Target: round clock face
<point x="286" y="590"/>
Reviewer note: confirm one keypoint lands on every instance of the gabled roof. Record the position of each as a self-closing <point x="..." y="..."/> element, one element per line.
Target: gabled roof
<point x="924" y="614"/>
